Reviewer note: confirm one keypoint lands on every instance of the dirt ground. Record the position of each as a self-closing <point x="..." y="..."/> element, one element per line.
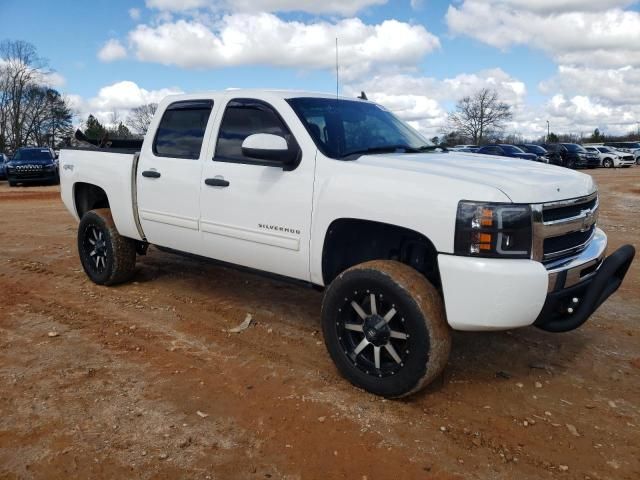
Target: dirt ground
<point x="144" y="381"/>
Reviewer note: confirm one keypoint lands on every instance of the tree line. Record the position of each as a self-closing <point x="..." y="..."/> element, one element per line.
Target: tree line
<point x="136" y="124"/>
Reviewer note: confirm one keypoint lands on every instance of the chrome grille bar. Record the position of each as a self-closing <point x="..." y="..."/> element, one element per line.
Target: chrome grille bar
<point x="582" y="222"/>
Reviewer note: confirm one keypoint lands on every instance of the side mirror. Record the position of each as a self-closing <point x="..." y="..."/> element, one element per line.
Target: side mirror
<point x="266" y="146"/>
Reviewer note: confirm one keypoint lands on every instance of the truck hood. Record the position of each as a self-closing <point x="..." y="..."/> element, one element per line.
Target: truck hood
<point x="523" y="181"/>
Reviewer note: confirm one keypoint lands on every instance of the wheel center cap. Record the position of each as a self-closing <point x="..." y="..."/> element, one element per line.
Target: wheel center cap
<point x="376" y="330"/>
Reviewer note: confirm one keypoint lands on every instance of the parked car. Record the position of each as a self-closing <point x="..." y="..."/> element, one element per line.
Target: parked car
<point x="31" y="165"/>
<point x="628" y="147"/>
<point x="610" y="158"/>
<point x="572" y="155"/>
<point x="407" y="242"/>
<point x="540" y="152"/>
<point x="507" y="151"/>
<point x="3" y="161"/>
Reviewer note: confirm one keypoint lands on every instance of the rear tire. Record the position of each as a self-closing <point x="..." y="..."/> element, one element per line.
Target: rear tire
<point x="106" y="256"/>
<point x="385" y="328"/>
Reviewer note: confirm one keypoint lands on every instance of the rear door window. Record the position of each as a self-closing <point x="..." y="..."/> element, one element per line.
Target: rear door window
<point x="181" y="130"/>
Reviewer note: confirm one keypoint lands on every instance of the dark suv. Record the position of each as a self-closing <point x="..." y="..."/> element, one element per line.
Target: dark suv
<point x="503" y="150"/>
<point x="571" y="155"/>
<point x="33" y="164"/>
<point x="537" y="150"/>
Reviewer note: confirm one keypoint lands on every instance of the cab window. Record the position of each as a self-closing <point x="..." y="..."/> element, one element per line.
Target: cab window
<point x="242" y="118"/>
<point x="182" y="128"/>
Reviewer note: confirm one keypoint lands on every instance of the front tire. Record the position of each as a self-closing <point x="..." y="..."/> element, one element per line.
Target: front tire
<point x="607" y="163"/>
<point x="106" y="256"/>
<point x="385" y="328"/>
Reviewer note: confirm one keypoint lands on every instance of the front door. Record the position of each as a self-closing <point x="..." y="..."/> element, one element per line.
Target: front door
<point x="168" y="177"/>
<point x="253" y="213"/>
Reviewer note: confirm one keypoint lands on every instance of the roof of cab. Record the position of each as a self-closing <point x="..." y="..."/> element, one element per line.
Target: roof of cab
<point x="244" y="93"/>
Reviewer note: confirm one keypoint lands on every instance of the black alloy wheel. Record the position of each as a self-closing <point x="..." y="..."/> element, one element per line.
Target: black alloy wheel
<point x="107" y="258"/>
<point x="372" y="333"/>
<point x="94" y="246"/>
<point x="385" y="328"/>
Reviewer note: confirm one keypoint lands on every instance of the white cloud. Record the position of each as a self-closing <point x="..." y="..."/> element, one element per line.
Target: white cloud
<point x="581" y="114"/>
<point x="557" y="6"/>
<point x="419" y="100"/>
<point x="342" y="7"/>
<point x="127" y="94"/>
<point x="112" y="50"/>
<point x="620" y="86"/>
<point x="118" y="97"/>
<point x="135" y="13"/>
<point x="265" y="39"/>
<point x="596" y="33"/>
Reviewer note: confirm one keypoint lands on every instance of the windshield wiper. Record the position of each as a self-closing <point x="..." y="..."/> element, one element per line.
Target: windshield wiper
<point x="383" y="149"/>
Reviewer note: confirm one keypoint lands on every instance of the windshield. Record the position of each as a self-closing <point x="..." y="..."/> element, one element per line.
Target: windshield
<point x="605" y="150"/>
<point x="572" y="147"/>
<point x="511" y="149"/>
<point x="341" y="128"/>
<point x="33" y="154"/>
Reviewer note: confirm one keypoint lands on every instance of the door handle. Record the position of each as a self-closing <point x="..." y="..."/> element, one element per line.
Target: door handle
<point x="217" y="182"/>
<point x="151" y="174"/>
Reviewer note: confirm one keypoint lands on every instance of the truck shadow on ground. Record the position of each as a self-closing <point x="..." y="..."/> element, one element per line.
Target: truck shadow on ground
<point x="487" y="357"/>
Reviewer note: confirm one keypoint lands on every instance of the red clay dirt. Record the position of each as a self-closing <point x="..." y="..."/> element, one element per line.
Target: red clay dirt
<point x="144" y="381"/>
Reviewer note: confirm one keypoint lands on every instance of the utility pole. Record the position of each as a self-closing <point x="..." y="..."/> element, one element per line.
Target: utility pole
<point x="548" y="131"/>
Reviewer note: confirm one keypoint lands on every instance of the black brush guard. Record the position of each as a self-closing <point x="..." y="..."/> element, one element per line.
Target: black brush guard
<point x="555" y="315"/>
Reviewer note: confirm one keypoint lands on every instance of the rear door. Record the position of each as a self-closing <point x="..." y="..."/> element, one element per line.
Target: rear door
<point x="256" y="214"/>
<point x="168" y="177"/>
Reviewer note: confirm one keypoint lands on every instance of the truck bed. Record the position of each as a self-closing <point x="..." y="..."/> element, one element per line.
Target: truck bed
<point x="112" y="170"/>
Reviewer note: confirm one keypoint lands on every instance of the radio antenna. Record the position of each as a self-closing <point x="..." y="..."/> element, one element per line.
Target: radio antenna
<point x="337" y="70"/>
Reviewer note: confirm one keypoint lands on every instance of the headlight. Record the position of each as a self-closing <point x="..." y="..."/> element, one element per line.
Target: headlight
<point x="493" y="230"/>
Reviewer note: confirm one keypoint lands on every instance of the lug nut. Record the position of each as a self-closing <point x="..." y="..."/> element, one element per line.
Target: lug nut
<point x="569" y="310"/>
<point x="575" y="300"/>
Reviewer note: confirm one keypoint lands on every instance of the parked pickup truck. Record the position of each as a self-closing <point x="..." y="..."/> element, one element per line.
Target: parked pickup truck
<point x="408" y="241"/>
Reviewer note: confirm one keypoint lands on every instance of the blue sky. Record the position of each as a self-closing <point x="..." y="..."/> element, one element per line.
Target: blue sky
<point x="434" y="53"/>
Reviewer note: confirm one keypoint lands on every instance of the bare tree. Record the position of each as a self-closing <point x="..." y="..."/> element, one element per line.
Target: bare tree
<point x="140" y="117"/>
<point x="30" y="112"/>
<point x="479" y="115"/>
<point x="21" y="70"/>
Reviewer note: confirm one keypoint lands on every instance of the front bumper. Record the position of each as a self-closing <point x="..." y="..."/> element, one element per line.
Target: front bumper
<point x="496" y="294"/>
<point x="42" y="176"/>
<point x="571" y="304"/>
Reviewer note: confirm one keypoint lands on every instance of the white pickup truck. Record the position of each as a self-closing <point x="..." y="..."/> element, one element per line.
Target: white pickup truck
<point x="408" y="241"/>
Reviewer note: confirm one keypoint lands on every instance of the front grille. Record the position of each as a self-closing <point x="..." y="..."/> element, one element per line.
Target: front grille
<point x="559" y="213"/>
<point x="563" y="229"/>
<point x="573" y="240"/>
<point x="27" y="171"/>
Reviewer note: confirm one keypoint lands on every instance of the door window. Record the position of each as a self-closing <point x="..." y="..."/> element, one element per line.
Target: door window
<point x="182" y="128"/>
<point x="242" y="118"/>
